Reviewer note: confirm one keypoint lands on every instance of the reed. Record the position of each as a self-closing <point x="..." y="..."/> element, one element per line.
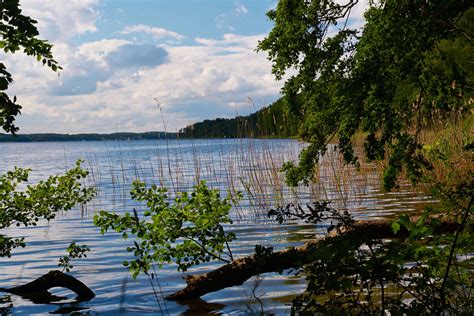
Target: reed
<point x="248" y="165"/>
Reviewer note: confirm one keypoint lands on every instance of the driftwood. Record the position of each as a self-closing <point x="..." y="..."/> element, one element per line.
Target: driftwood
<point x="240" y="270"/>
<point x="37" y="290"/>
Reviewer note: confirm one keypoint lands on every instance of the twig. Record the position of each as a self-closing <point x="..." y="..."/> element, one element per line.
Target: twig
<point x="451" y="253"/>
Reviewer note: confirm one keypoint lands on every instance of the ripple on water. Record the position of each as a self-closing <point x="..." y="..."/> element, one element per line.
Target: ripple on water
<point x="238" y="164"/>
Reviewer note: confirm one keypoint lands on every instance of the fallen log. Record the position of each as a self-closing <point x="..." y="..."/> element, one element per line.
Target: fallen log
<point x="37" y="290"/>
<point x="240" y="270"/>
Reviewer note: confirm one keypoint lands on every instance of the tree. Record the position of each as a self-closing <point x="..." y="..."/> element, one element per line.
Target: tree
<point x="17" y="32"/>
<point x="274" y="120"/>
<point x="41" y="201"/>
<point x="45" y="199"/>
<point x="409" y="67"/>
<point x="407" y="72"/>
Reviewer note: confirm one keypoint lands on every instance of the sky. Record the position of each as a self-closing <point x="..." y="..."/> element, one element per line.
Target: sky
<point x="143" y="65"/>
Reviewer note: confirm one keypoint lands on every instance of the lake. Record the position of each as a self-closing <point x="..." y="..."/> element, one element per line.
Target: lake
<point x="246" y="165"/>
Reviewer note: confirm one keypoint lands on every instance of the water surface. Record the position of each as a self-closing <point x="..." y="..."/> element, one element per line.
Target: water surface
<point x="250" y="166"/>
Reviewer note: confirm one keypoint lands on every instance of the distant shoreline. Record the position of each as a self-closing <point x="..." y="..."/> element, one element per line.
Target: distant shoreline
<point x="124" y="136"/>
<point x="53" y="137"/>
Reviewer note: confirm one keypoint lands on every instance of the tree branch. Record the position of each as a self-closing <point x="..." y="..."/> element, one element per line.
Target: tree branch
<point x="37" y="290"/>
<point x="240" y="270"/>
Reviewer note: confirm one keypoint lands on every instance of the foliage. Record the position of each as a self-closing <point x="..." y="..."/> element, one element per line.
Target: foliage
<point x="40" y="201"/>
<point x="408" y="72"/>
<point x="17" y="32"/>
<point x="74" y="252"/>
<point x="353" y="272"/>
<point x="275" y="120"/>
<point x="6" y="304"/>
<point x="408" y="68"/>
<point x="318" y="212"/>
<point x="186" y="228"/>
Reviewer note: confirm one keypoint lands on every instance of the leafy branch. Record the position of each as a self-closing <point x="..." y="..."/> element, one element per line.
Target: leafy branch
<point x="40" y="201"/>
<point x="186" y="229"/>
<point x="18" y="31"/>
<point x="74" y="252"/>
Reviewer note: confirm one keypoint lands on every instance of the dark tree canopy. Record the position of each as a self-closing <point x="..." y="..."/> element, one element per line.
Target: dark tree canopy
<point x="274" y="120"/>
<point x="409" y="68"/>
<point x="18" y="32"/>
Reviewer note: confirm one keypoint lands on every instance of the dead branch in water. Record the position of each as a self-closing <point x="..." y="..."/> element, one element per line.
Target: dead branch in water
<point x="37" y="290"/>
<point x="240" y="270"/>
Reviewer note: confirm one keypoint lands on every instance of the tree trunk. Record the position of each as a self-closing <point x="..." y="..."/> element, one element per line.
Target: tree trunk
<point x="240" y="270"/>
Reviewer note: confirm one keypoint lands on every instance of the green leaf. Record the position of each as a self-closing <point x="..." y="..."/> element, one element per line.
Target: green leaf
<point x="188" y="231"/>
<point x="395" y="227"/>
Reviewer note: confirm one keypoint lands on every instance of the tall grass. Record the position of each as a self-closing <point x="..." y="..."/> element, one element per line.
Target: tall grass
<point x="251" y="166"/>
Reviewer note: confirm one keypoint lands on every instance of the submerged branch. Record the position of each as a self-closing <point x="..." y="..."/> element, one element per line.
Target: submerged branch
<point x="240" y="270"/>
<point x="37" y="290"/>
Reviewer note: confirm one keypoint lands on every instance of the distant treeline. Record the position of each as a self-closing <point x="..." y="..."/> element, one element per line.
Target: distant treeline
<point x="50" y="137"/>
<point x="275" y="120"/>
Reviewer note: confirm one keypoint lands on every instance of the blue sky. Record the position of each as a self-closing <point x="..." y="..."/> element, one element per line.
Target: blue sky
<point x="195" y="57"/>
<point x="191" y="18"/>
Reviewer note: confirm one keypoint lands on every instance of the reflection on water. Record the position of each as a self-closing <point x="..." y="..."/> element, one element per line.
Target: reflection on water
<point x="231" y="165"/>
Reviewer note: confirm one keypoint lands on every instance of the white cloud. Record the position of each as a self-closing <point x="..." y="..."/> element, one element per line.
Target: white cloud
<point x="356" y="19"/>
<point x="211" y="79"/>
<point x="230" y="39"/>
<point x="95" y="52"/>
<point x="156" y="32"/>
<point x="110" y="84"/>
<point x="60" y="20"/>
<point x="358" y="10"/>
<point x="220" y="20"/>
<point x="240" y="9"/>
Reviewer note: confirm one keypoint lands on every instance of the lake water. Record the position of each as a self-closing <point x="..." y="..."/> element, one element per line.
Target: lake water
<point x="250" y="166"/>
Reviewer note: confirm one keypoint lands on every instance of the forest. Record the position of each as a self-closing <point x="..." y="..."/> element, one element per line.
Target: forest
<point x="273" y="121"/>
<point x="49" y="137"/>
